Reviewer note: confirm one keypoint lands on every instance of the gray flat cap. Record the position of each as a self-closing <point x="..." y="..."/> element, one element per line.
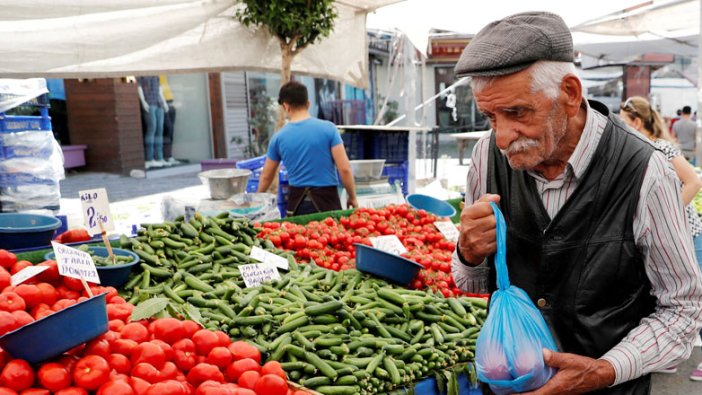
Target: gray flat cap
<point x="514" y="43"/>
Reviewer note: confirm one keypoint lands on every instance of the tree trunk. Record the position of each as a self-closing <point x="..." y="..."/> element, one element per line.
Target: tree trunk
<point x="285" y="76"/>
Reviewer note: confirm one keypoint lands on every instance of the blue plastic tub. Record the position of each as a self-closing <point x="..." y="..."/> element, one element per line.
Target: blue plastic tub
<point x="113" y="275"/>
<point x="435" y="206"/>
<point x="388" y="266"/>
<point x="59" y="332"/>
<point x="26" y="230"/>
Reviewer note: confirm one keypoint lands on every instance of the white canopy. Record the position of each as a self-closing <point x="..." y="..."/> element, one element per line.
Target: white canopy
<point x="105" y="38"/>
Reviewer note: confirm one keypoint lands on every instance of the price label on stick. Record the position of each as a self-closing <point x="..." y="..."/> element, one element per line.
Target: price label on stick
<point x="389" y="244"/>
<point x="96" y="209"/>
<point x="75" y="263"/>
<point x="255" y="274"/>
<point x="448" y="229"/>
<point x="264" y="256"/>
<point x="25" y="274"/>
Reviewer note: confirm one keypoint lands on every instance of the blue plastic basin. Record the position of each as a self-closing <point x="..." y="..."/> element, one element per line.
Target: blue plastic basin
<point x="382" y="264"/>
<point x="435" y="206"/>
<point x="59" y="332"/>
<point x="26" y="230"/>
<point x="112" y="275"/>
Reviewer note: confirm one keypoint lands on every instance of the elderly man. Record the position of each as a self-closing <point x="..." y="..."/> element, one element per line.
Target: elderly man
<point x="596" y="228"/>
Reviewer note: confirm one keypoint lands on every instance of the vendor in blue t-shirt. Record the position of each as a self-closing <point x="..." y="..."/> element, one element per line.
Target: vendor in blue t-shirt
<point x="312" y="151"/>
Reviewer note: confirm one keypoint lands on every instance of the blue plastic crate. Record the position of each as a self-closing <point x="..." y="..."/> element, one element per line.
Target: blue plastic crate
<point x="397" y="172"/>
<point x="251" y="164"/>
<point x="20" y="123"/>
<point x="252" y="185"/>
<point x="391" y="146"/>
<point x="354" y="143"/>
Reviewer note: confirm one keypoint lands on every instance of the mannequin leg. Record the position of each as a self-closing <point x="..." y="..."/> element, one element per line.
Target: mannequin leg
<point x="158" y="135"/>
<point x="150" y="131"/>
<point x="168" y="130"/>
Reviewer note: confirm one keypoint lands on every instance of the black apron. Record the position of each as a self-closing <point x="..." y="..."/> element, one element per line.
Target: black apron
<point x="323" y="198"/>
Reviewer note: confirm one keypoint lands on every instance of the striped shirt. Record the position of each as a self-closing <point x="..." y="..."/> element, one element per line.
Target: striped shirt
<point x="662" y="234"/>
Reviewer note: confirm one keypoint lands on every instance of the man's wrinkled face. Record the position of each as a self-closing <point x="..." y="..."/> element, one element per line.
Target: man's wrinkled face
<point x="528" y="126"/>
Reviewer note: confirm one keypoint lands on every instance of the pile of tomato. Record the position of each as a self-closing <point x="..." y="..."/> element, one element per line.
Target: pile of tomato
<point x="330" y="243"/>
<point x="156" y="357"/>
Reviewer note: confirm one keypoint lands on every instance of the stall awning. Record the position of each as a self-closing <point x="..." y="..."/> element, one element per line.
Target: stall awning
<point x="105" y="38"/>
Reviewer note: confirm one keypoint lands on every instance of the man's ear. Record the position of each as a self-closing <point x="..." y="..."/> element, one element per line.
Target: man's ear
<point x="571" y="94"/>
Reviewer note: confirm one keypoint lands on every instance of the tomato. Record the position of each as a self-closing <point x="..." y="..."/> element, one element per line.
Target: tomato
<point x="62" y="304"/>
<point x="241" y="349"/>
<point x="19" y="265"/>
<point x="170" y="330"/>
<point x="170" y="387"/>
<point x="146" y="372"/>
<point x="30" y="293"/>
<point x="168" y="371"/>
<point x="35" y="391"/>
<point x="22" y="318"/>
<point x="150" y="353"/>
<point x="271" y="385"/>
<point x="223" y="338"/>
<point x="73" y="284"/>
<point x="8" y="322"/>
<point x="91" y="372"/>
<point x="72" y="391"/>
<point x="248" y="379"/>
<point x="124" y="347"/>
<point x="185" y="356"/>
<point x="139" y="385"/>
<point x="273" y="367"/>
<point x="7" y="391"/>
<point x="189" y="328"/>
<point x="10" y="301"/>
<point x="48" y="293"/>
<point x="205" y="340"/>
<point x="116" y="325"/>
<point x="203" y="372"/>
<point x="17" y="374"/>
<point x="220" y="357"/>
<point x="119" y="311"/>
<point x="99" y="347"/>
<point x="119" y="363"/>
<point x="5" y="279"/>
<point x="118" y="387"/>
<point x="135" y="331"/>
<point x="54" y="376"/>
<point x="7" y="259"/>
<point x="237" y="368"/>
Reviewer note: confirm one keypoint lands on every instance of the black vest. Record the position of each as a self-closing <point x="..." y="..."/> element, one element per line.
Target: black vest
<point x="584" y="262"/>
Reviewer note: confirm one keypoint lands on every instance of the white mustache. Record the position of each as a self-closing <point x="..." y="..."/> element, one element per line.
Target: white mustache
<point x="520" y="145"/>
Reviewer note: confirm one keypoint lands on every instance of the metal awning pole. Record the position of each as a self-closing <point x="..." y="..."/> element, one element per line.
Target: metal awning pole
<point x="460" y="82"/>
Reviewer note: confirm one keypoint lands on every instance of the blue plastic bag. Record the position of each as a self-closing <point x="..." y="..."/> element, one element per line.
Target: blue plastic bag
<point x="509" y="354"/>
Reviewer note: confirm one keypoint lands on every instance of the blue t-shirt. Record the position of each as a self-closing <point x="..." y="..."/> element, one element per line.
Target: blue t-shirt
<point x="305" y="148"/>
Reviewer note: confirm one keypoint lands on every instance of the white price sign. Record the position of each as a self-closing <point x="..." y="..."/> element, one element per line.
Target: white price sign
<point x="264" y="256"/>
<point x="255" y="274"/>
<point x="25" y="274"/>
<point x="75" y="263"/>
<point x="448" y="229"/>
<point x="389" y="244"/>
<point x="96" y="210"/>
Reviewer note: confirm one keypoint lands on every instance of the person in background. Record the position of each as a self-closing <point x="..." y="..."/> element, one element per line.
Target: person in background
<point x="674" y="119"/>
<point x="596" y="234"/>
<point x="685" y="130"/>
<point x="638" y="114"/>
<point x="312" y="151"/>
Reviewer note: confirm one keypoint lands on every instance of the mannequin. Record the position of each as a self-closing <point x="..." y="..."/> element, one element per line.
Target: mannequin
<point x="168" y="121"/>
<point x="153" y="105"/>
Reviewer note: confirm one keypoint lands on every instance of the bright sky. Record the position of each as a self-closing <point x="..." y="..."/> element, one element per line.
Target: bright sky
<point x="416" y="17"/>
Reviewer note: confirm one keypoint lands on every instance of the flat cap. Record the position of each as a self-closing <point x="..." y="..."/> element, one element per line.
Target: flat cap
<point x="514" y="43"/>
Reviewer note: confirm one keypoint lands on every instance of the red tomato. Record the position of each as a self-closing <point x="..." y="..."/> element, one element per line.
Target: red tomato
<point x="205" y="340"/>
<point x="150" y="353"/>
<point x="5" y="279"/>
<point x="249" y="379"/>
<point x="203" y="372"/>
<point x="49" y="295"/>
<point x="116" y="325"/>
<point x="19" y="265"/>
<point x="146" y="372"/>
<point x="91" y="372"/>
<point x="35" y="391"/>
<point x="185" y="356"/>
<point x="167" y="387"/>
<point x="170" y="330"/>
<point x="8" y="322"/>
<point x="242" y="349"/>
<point x="54" y="376"/>
<point x="139" y="385"/>
<point x="17" y="374"/>
<point x="135" y="331"/>
<point x="220" y="357"/>
<point x="168" y="371"/>
<point x="118" y="387"/>
<point x="30" y="293"/>
<point x="124" y="347"/>
<point x="72" y="391"/>
<point x="73" y="284"/>
<point x="7" y="391"/>
<point x="50" y="275"/>
<point x="10" y="301"/>
<point x="99" y="347"/>
<point x="271" y="385"/>
<point x="119" y="311"/>
<point x="273" y="367"/>
<point x="189" y="328"/>
<point x="7" y="259"/>
<point x="223" y="338"/>
<point x="22" y="317"/>
<point x="120" y="363"/>
<point x="237" y="368"/>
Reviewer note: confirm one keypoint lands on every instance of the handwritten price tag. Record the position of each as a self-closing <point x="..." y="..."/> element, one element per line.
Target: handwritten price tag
<point x="264" y="256"/>
<point x="447" y="229"/>
<point x="389" y="244"/>
<point x="255" y="274"/>
<point x="75" y="263"/>
<point x="96" y="209"/>
<point x="25" y="274"/>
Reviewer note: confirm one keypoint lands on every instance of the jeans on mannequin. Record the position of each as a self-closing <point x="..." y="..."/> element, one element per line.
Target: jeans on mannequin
<point x="698" y="253"/>
<point x="153" y="138"/>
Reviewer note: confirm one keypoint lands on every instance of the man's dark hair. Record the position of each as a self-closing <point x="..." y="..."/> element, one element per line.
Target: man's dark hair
<point x="687" y="110"/>
<point x="679" y="111"/>
<point x="293" y="94"/>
